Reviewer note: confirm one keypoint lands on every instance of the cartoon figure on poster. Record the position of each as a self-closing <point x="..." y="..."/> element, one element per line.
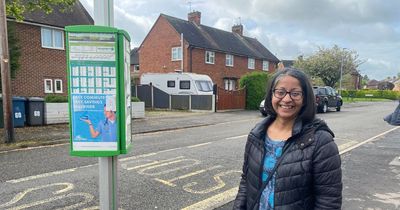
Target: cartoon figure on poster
<point x="106" y="128"/>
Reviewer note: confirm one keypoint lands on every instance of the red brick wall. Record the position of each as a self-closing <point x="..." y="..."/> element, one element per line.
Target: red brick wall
<point x="155" y="56"/>
<point x="37" y="63"/>
<point x="155" y="51"/>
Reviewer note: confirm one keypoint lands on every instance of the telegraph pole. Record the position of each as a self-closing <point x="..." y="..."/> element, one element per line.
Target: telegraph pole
<point x="5" y="76"/>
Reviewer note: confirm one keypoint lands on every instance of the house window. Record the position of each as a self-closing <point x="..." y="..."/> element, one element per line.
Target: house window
<point x="229" y="84"/>
<point x="229" y="60"/>
<point x="265" y="65"/>
<point x="171" y="83"/>
<point x="58" y="86"/>
<point x="52" y="38"/>
<point x="176" y="54"/>
<point x="184" y="84"/>
<point x="210" y="57"/>
<point x="135" y="68"/>
<point x="251" y="63"/>
<point x="48" y="85"/>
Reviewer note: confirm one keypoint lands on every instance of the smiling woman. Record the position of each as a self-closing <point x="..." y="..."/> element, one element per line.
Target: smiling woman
<point x="310" y="175"/>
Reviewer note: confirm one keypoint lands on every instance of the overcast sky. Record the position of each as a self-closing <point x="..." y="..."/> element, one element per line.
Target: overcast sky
<point x="288" y="28"/>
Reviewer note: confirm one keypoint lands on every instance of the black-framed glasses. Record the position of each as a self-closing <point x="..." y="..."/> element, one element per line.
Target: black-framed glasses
<point x="294" y="95"/>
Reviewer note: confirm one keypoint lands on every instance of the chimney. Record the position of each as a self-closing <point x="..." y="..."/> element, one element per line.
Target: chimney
<point x="238" y="29"/>
<point x="194" y="17"/>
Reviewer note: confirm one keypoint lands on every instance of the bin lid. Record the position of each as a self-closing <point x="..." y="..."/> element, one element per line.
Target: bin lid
<point x="18" y="98"/>
<point x="35" y="99"/>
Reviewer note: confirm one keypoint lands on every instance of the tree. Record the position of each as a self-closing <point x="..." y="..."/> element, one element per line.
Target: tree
<point x="17" y="8"/>
<point x="326" y="64"/>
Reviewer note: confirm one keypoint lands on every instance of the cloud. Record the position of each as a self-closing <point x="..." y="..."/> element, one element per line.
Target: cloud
<point x="288" y="28"/>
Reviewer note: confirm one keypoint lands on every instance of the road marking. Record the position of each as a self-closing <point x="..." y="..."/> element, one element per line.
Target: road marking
<point x="214" y="201"/>
<point x="14" y="181"/>
<point x="169" y="182"/>
<point x="236" y="137"/>
<point x="368" y="140"/>
<point x="347" y="145"/>
<point x="199" y="145"/>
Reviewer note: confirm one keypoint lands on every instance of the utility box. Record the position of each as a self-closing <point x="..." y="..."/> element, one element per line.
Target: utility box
<point x="98" y="59"/>
<point x="34" y="111"/>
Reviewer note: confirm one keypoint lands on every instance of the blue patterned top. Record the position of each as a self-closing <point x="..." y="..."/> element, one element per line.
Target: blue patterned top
<point x="273" y="150"/>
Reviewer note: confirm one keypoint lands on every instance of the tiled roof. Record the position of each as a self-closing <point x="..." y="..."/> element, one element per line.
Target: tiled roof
<point x="135" y="56"/>
<point x="77" y="15"/>
<point x="215" y="39"/>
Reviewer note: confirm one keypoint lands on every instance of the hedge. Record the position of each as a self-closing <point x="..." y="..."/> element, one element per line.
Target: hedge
<point x="255" y="83"/>
<point x="386" y="94"/>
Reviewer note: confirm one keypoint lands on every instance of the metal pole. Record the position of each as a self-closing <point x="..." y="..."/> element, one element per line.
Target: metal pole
<point x="108" y="166"/>
<point x="5" y="76"/>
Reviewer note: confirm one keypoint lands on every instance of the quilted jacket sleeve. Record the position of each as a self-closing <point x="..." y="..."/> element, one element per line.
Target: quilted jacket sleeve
<point x="241" y="198"/>
<point x="327" y="173"/>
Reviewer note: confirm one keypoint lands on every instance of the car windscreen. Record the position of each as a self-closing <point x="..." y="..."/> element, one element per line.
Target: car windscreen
<point x="204" y="85"/>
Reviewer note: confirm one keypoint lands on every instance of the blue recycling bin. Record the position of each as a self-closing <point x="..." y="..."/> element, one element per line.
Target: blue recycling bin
<point x="19" y="111"/>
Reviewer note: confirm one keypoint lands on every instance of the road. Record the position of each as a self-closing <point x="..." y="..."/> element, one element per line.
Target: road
<point x="192" y="168"/>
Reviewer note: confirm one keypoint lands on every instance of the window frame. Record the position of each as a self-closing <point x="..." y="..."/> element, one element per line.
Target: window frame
<point x="170" y="83"/>
<point x="251" y="63"/>
<point x="182" y="82"/>
<point x="52" y="36"/>
<point x="177" y="56"/>
<point x="265" y="65"/>
<point x="55" y="86"/>
<point x="209" y="57"/>
<point x="46" y="85"/>
<point x="230" y="58"/>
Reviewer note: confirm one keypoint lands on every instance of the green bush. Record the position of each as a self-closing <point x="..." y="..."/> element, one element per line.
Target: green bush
<point x="386" y="94"/>
<point x="56" y="99"/>
<point x="135" y="99"/>
<point x="255" y="83"/>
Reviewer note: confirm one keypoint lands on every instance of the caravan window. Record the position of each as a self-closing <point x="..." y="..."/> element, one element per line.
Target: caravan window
<point x="203" y="85"/>
<point x="171" y="83"/>
<point x="184" y="84"/>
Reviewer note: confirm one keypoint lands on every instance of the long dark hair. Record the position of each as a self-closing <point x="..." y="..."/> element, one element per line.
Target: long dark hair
<point x="307" y="112"/>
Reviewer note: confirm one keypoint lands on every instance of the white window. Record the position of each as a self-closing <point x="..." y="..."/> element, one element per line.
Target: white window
<point x="265" y="65"/>
<point x="58" y="87"/>
<point x="210" y="57"/>
<point x="135" y="68"/>
<point x="251" y="63"/>
<point x="176" y="54"/>
<point x="229" y="84"/>
<point x="52" y="38"/>
<point x="229" y="60"/>
<point x="48" y="85"/>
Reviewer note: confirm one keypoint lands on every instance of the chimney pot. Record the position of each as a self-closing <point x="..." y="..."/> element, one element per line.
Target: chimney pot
<point x="195" y="17"/>
<point x="238" y="29"/>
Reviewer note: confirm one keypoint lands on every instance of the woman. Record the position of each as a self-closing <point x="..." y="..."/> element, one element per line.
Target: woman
<point x="301" y="147"/>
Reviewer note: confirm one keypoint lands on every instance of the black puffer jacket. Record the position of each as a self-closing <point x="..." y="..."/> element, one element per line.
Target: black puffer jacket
<point x="309" y="176"/>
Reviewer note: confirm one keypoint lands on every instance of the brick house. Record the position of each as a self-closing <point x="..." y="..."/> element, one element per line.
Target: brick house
<point x="224" y="56"/>
<point x="41" y="37"/>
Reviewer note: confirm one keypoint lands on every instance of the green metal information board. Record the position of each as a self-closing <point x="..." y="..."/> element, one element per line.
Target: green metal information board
<point x="98" y="60"/>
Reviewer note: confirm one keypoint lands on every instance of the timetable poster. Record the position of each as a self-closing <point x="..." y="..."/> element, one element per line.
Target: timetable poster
<point x="93" y="85"/>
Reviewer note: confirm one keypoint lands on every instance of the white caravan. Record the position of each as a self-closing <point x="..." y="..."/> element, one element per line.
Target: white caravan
<point x="178" y="83"/>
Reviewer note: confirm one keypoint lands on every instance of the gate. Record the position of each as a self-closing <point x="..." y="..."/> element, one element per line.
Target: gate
<point x="231" y="99"/>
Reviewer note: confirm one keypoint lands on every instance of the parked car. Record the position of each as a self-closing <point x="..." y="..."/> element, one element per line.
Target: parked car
<point x="262" y="108"/>
<point x="326" y="97"/>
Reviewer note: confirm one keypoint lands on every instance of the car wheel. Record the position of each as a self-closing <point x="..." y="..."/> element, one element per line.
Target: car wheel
<point x="324" y="108"/>
<point x="339" y="105"/>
